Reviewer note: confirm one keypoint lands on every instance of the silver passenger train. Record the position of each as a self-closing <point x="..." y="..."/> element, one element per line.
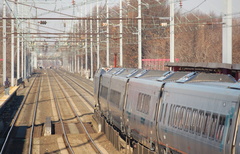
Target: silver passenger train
<point x="171" y="112"/>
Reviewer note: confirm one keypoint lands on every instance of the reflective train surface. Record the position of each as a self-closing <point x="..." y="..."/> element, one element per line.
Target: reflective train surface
<point x="171" y="112"/>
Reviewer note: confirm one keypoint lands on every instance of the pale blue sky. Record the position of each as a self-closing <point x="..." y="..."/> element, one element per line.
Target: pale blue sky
<point x="209" y="5"/>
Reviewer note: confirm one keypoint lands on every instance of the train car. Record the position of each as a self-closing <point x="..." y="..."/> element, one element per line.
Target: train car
<point x="117" y="92"/>
<point x="176" y="112"/>
<point x="198" y="118"/>
<point x="140" y="110"/>
<point x="97" y="80"/>
<point x="104" y="92"/>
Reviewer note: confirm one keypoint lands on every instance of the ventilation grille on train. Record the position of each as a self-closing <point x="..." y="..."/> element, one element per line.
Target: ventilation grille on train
<point x="187" y="77"/>
<point x="166" y="76"/>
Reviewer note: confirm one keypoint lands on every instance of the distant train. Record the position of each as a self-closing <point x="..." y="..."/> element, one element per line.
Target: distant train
<point x="171" y="112"/>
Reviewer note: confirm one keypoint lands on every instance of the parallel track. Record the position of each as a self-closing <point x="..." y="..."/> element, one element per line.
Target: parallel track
<point x="10" y="132"/>
<point x="95" y="147"/>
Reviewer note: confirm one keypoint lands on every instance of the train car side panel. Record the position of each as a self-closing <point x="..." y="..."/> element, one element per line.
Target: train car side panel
<point x="197" y="119"/>
<point x="143" y="97"/>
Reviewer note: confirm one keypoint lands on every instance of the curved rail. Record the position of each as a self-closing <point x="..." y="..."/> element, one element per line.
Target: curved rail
<point x="16" y="116"/>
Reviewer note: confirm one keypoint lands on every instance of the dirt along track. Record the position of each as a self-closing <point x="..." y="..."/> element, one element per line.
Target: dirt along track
<point x="49" y="90"/>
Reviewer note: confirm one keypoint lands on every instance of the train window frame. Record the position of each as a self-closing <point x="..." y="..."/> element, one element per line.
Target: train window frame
<point x="220" y="128"/>
<point x="206" y="125"/>
<point x="199" y="122"/>
<point x="173" y="115"/>
<point x="165" y="112"/>
<point x="177" y="116"/>
<point x="143" y="103"/>
<point x="187" y="120"/>
<point x="161" y="112"/>
<point x="214" y="122"/>
<point x="181" y="117"/>
<point x="146" y="102"/>
<point x="193" y="121"/>
<point x="170" y="115"/>
<point x="115" y="97"/>
<point x="104" y="92"/>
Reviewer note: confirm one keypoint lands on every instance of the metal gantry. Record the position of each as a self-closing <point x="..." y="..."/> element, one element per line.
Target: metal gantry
<point x="28" y="31"/>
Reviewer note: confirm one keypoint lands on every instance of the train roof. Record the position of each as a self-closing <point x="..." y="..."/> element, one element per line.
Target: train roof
<point x="170" y="76"/>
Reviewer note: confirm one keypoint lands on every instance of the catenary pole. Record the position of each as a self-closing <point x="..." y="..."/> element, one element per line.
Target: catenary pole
<point x="227" y="32"/>
<point x="98" y="39"/>
<point x="120" y="34"/>
<point x="12" y="50"/>
<point x="171" y="30"/>
<point x="18" y="45"/>
<point x="4" y="41"/>
<point x="91" y="39"/>
<point x="139" y="34"/>
<point x="86" y="45"/>
<point x="107" y="50"/>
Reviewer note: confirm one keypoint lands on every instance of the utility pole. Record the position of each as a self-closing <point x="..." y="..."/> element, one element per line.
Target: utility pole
<point x="18" y="44"/>
<point x="227" y="32"/>
<point x="171" y="30"/>
<point x="91" y="43"/>
<point x="98" y="39"/>
<point x="4" y="41"/>
<point x="12" y="49"/>
<point x="120" y="34"/>
<point x="86" y="46"/>
<point x="107" y="50"/>
<point x="139" y="34"/>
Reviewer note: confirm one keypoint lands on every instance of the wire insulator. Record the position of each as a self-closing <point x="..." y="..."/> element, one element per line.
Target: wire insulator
<point x="180" y="3"/>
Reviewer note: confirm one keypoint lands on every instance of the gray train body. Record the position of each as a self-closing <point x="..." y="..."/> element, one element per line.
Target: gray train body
<point x="180" y="112"/>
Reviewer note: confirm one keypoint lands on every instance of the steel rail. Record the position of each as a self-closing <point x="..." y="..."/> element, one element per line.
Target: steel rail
<point x="34" y="117"/>
<point x="60" y="118"/>
<point x="16" y="116"/>
<point x="74" y="76"/>
<point x="79" y="92"/>
<point x="76" y="83"/>
<point x="78" y="117"/>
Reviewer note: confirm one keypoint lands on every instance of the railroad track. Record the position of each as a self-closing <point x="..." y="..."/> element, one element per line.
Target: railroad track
<point x="72" y="106"/>
<point x="18" y="130"/>
<point x="78" y="87"/>
<point x="59" y="97"/>
<point x="83" y="81"/>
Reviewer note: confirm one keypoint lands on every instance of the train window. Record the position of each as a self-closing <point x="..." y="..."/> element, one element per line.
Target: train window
<point x="161" y="112"/>
<point x="177" y="120"/>
<point x="206" y="124"/>
<point x="187" y="120"/>
<point x="115" y="97"/>
<point x="175" y="124"/>
<point x="146" y="102"/>
<point x="140" y="100"/>
<point x="181" y="117"/>
<point x="220" y="128"/>
<point x="170" y="115"/>
<point x="184" y="114"/>
<point x="193" y="121"/>
<point x="200" y="122"/>
<point x="104" y="92"/>
<point x="165" y="114"/>
<point x="173" y="115"/>
<point x="143" y="103"/>
<point x="213" y="125"/>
